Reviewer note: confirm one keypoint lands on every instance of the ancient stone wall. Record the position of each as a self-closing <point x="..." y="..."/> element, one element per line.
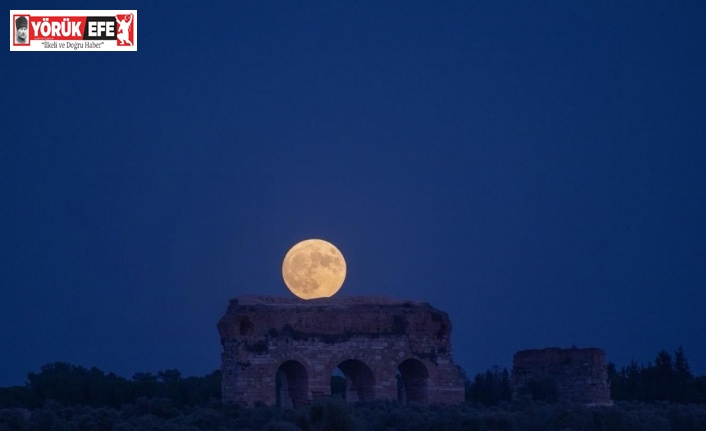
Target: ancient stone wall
<point x="283" y="351"/>
<point x="575" y="375"/>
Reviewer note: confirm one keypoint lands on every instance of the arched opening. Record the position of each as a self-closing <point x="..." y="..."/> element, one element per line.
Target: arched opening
<point x="354" y="381"/>
<point x="291" y="385"/>
<point x="412" y="382"/>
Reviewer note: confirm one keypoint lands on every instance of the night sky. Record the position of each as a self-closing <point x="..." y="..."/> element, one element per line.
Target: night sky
<point x="535" y="169"/>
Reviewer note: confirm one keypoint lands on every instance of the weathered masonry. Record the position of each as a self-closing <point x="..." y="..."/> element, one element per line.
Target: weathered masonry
<point x="575" y="375"/>
<point x="283" y="351"/>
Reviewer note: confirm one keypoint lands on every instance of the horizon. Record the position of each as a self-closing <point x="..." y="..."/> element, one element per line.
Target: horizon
<point x="130" y="375"/>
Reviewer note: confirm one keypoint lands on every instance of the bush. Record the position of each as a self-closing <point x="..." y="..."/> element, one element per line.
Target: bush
<point x="330" y="415"/>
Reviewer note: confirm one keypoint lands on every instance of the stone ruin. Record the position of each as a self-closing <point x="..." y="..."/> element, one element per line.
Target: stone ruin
<point x="283" y="351"/>
<point x="573" y="375"/>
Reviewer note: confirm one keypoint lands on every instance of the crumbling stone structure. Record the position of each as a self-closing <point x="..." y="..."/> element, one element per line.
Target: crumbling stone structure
<point x="283" y="351"/>
<point x="574" y="375"/>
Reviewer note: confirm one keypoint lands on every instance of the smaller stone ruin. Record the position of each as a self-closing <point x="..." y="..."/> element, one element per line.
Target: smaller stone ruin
<point x="554" y="374"/>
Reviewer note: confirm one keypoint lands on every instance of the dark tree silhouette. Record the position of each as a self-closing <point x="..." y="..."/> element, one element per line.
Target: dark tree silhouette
<point x="668" y="379"/>
<point x="490" y="388"/>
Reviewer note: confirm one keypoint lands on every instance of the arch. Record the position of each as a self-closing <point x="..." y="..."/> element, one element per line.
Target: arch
<point x="291" y="385"/>
<point x="412" y="382"/>
<point x="360" y="380"/>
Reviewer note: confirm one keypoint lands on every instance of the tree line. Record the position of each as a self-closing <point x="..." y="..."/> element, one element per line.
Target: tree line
<point x="71" y="385"/>
<point x="667" y="378"/>
<point x="62" y="397"/>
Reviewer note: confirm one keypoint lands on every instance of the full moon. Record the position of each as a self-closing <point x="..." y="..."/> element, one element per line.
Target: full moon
<point x="314" y="269"/>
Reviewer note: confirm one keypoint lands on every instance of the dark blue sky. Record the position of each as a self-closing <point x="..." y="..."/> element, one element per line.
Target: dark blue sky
<point x="535" y="169"/>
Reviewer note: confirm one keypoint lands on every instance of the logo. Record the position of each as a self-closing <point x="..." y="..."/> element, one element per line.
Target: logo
<point x="73" y="30"/>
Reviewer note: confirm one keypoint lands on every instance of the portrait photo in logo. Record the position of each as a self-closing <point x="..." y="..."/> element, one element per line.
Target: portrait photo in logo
<point x="22" y="30"/>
